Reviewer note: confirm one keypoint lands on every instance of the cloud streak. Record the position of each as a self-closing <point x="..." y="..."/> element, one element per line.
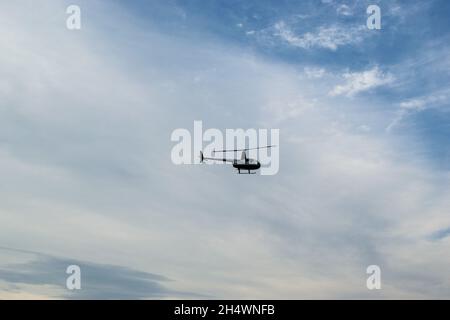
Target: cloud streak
<point x="326" y="37"/>
<point x="357" y="82"/>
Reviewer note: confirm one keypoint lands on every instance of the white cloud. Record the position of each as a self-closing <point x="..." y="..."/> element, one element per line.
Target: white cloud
<point x="408" y="107"/>
<point x="85" y="145"/>
<point x="314" y="72"/>
<point x="328" y="37"/>
<point x="344" y="10"/>
<point x="424" y="102"/>
<point x="356" y="82"/>
<point x="288" y="108"/>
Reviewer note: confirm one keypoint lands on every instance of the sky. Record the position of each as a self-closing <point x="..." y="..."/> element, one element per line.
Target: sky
<point x="86" y="118"/>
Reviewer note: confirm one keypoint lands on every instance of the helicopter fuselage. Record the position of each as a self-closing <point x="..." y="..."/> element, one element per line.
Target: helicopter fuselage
<point x="246" y="165"/>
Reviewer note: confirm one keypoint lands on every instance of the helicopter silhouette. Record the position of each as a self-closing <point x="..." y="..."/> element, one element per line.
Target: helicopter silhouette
<point x="245" y="163"/>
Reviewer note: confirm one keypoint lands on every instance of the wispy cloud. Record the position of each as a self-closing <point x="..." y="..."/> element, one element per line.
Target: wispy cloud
<point x="327" y="37"/>
<point x="344" y="10"/>
<point x="418" y="104"/>
<point x="314" y="72"/>
<point x="421" y="103"/>
<point x="356" y="82"/>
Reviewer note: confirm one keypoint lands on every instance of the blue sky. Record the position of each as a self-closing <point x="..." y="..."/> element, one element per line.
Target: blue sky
<point x="86" y="119"/>
<point x="412" y="45"/>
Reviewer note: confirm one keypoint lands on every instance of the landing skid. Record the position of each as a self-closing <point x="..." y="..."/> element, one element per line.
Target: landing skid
<point x="239" y="172"/>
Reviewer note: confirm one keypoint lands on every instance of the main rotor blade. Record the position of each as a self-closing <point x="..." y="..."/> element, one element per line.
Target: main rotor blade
<point x="235" y="150"/>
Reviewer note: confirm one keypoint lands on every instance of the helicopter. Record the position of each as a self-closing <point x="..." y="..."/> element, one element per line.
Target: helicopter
<point x="244" y="163"/>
